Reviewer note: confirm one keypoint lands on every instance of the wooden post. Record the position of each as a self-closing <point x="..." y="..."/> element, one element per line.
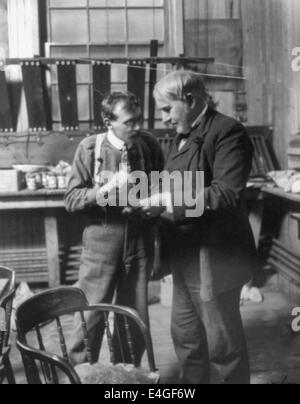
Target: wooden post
<point x="52" y="246"/>
<point x="152" y="82"/>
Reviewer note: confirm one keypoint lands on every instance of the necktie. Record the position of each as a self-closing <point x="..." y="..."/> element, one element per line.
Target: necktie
<point x="125" y="164"/>
<point x="182" y="139"/>
<point x="129" y="248"/>
<point x="135" y="158"/>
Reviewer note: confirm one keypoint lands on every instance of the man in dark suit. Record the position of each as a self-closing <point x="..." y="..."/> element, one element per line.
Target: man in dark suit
<point x="212" y="256"/>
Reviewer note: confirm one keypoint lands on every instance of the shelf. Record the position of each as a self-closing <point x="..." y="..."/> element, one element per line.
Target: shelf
<point x="40" y="199"/>
<point x="279" y="193"/>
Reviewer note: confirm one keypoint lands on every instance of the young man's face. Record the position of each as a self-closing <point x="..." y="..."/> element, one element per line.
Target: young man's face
<point x="176" y="113"/>
<point x="127" y="124"/>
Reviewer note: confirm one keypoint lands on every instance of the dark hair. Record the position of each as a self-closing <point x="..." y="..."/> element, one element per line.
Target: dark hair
<point x="129" y="100"/>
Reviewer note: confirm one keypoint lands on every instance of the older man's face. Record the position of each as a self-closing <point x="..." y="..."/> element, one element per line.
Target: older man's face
<point x="176" y="113"/>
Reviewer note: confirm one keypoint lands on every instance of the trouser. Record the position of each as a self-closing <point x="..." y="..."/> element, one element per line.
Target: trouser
<point x="102" y="277"/>
<point x="206" y="333"/>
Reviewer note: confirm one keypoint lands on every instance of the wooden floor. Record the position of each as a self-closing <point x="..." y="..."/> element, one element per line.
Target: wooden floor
<point x="274" y="350"/>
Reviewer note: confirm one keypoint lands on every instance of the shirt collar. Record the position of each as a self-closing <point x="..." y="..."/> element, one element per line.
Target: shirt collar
<point x="197" y="122"/>
<point x="114" y="140"/>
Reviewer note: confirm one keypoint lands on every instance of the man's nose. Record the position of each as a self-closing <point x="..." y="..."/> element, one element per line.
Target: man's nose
<point x="166" y="117"/>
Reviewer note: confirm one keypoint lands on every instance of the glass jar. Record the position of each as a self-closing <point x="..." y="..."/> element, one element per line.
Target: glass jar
<point x="31" y="182"/>
<point x="45" y="179"/>
<point x="38" y="180"/>
<point x="51" y="181"/>
<point x="61" y="181"/>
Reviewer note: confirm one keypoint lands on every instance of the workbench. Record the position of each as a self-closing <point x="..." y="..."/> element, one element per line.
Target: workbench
<point x="282" y="212"/>
<point x="46" y="203"/>
<point x="297" y="218"/>
<point x="37" y="231"/>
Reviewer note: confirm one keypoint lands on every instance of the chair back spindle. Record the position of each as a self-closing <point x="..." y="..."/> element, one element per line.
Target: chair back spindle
<point x="50" y="306"/>
<point x="86" y="338"/>
<point x="62" y="339"/>
<point x="130" y="341"/>
<point x="109" y="337"/>
<point x="6" y="302"/>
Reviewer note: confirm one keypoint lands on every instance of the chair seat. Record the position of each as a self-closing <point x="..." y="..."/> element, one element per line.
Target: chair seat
<point x="118" y="374"/>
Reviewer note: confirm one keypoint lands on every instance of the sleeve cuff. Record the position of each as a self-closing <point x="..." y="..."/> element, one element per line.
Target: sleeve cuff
<point x="91" y="197"/>
<point x="168" y="203"/>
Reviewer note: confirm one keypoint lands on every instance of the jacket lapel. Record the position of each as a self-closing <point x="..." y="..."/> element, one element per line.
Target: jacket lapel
<point x="204" y="127"/>
<point x="197" y="137"/>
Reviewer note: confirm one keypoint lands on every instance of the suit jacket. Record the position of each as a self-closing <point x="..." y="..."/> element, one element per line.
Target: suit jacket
<point x="221" y="240"/>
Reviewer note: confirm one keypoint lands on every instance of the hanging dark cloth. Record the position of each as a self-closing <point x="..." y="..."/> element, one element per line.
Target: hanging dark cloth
<point x="6" y="124"/>
<point x="36" y="95"/>
<point x="101" y="86"/>
<point x="137" y="80"/>
<point x="67" y="89"/>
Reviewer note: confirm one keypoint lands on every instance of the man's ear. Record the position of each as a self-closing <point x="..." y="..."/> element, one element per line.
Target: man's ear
<point x="191" y="100"/>
<point x="107" y="123"/>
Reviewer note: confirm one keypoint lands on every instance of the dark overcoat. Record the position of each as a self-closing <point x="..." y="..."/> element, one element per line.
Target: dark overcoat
<point x="220" y="243"/>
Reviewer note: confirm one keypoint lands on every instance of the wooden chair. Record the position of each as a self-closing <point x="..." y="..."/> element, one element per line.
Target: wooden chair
<point x="7" y="278"/>
<point x="42" y="366"/>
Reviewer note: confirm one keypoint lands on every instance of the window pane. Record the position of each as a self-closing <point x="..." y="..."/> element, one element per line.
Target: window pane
<point x="122" y="3"/>
<point x="138" y="51"/>
<point x="98" y="3"/>
<point x="82" y="73"/>
<point x="83" y="94"/>
<point x="119" y="74"/>
<point x="116" y="25"/>
<point x="145" y="26"/>
<point x="107" y="3"/>
<point x="68" y="51"/>
<point x="159" y="24"/>
<point x="118" y="87"/>
<point x="63" y="23"/>
<point x="162" y="70"/>
<point x="107" y="52"/>
<point x="107" y="26"/>
<point x="145" y="3"/>
<point x="98" y="19"/>
<point x="55" y="104"/>
<point x="116" y="3"/>
<point x="107" y="20"/>
<point x="66" y="3"/>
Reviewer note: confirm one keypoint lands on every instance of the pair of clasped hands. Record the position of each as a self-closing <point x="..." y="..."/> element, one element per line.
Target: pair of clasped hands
<point x="149" y="208"/>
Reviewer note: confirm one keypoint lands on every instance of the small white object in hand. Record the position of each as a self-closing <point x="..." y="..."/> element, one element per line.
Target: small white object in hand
<point x="251" y="294"/>
<point x="2" y="320"/>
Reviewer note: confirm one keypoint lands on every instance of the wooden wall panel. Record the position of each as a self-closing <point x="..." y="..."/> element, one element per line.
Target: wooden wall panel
<point x="21" y="230"/>
<point x="201" y="9"/>
<point x="213" y="29"/>
<point x="224" y="9"/>
<point x="49" y="151"/>
<point x="294" y="41"/>
<point x="23" y="29"/>
<point x="174" y="27"/>
<point x="3" y="27"/>
<point x="271" y="30"/>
